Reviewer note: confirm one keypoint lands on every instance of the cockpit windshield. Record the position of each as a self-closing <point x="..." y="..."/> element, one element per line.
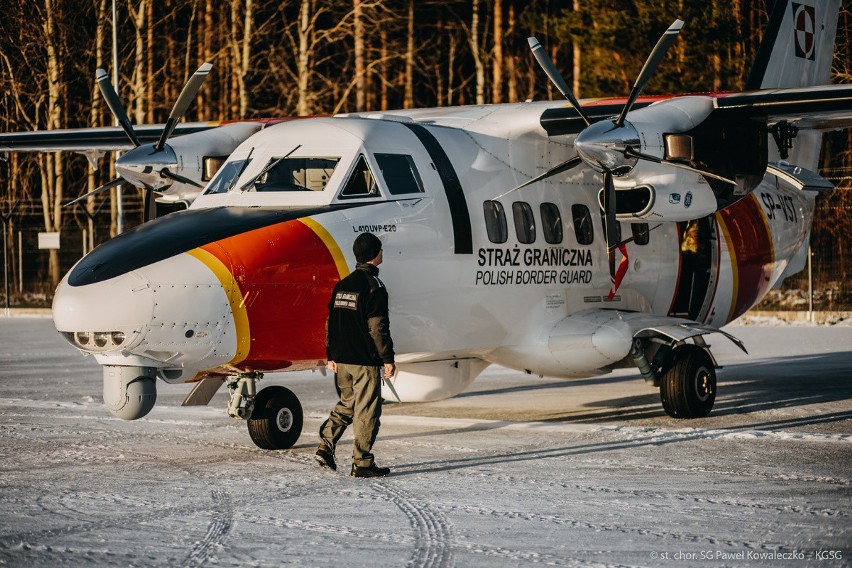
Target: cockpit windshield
<point x="226" y="176"/>
<point x="295" y="174"/>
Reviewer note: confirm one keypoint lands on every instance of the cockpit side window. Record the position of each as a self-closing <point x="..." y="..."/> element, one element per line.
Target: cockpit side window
<point x="400" y="173"/>
<point x="362" y="182"/>
<point x="226" y="176"/>
<point x="296" y="174"/>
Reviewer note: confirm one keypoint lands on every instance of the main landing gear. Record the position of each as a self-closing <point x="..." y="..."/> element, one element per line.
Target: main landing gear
<point x="685" y="374"/>
<point x="273" y="415"/>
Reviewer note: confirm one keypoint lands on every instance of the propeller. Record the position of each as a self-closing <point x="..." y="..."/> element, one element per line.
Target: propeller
<point x="145" y="166"/>
<point x="608" y="146"/>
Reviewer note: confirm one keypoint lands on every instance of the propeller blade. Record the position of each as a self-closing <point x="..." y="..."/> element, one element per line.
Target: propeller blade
<point x="108" y="185"/>
<point x="115" y="106"/>
<point x="631" y="153"/>
<point x="177" y="177"/>
<point x="547" y="64"/>
<point x="650" y="67"/>
<point x="184" y="100"/>
<point x="563" y="167"/>
<point x="150" y="206"/>
<point x="609" y="220"/>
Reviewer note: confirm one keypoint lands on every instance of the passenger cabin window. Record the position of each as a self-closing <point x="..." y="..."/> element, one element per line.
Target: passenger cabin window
<point x="362" y="182"/>
<point x="524" y="222"/>
<point x="226" y="176"/>
<point x="400" y="174"/>
<point x="495" y="222"/>
<point x="296" y="174"/>
<point x="583" y="224"/>
<point x="641" y="233"/>
<point x="551" y="223"/>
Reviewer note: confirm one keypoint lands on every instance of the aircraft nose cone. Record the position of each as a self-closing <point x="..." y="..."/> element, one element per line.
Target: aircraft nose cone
<point x="103" y="315"/>
<point x="141" y="166"/>
<point x="602" y="146"/>
<point x="173" y="313"/>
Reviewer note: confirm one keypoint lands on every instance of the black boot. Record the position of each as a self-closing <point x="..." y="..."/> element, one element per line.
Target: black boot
<point x="369" y="471"/>
<point x="326" y="459"/>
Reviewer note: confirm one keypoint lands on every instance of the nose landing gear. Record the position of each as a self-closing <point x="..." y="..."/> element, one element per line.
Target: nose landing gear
<point x="273" y="415"/>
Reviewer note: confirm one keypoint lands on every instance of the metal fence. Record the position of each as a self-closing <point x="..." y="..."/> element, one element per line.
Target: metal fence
<point x="826" y="284"/>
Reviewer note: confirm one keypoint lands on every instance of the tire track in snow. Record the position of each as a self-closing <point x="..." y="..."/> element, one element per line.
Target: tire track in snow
<point x="220" y="526"/>
<point x="432" y="532"/>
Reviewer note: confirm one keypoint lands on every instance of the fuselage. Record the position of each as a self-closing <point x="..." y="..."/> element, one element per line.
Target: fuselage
<point x="241" y="280"/>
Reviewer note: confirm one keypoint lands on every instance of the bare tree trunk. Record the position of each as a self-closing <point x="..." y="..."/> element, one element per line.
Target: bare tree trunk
<point x="149" y="63"/>
<point x="303" y="61"/>
<point x="409" y="59"/>
<point x="245" y="63"/>
<point x="52" y="164"/>
<point x="138" y="83"/>
<point x="473" y="39"/>
<point x="497" y="59"/>
<point x="95" y="117"/>
<point x="451" y="61"/>
<point x="241" y="54"/>
<point x="383" y="89"/>
<point x="512" y="62"/>
<point x="205" y="94"/>
<point x="577" y="56"/>
<point x="358" y="33"/>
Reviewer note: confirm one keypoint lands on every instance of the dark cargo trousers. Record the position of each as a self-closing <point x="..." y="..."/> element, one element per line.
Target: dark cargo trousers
<point x="359" y="389"/>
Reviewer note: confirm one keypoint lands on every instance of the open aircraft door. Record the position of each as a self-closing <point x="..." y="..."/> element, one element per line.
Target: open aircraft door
<point x="699" y="268"/>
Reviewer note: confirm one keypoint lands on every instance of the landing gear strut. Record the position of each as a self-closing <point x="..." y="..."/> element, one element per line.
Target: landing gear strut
<point x="273" y="415"/>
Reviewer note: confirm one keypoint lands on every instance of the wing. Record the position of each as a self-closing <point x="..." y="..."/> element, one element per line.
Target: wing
<point x="102" y="139"/>
<point x="821" y="108"/>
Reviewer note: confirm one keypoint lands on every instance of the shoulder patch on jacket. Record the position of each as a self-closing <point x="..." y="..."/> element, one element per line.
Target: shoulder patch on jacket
<point x="346" y="300"/>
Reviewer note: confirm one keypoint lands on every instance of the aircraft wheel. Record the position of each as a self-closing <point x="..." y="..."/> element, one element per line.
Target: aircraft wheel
<point x="688" y="387"/>
<point x="276" y="421"/>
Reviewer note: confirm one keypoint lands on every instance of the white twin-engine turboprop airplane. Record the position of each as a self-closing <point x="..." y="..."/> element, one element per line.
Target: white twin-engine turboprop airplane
<point x="634" y="228"/>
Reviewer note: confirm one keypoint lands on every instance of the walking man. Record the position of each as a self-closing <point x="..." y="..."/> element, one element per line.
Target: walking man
<point x="359" y="350"/>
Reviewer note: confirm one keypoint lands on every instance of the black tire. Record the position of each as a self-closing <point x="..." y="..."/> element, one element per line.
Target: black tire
<point x="688" y="387"/>
<point x="276" y="421"/>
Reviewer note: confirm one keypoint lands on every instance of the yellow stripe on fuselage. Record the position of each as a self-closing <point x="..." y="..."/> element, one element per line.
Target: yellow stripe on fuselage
<point x="235" y="299"/>
<point x="330" y="243"/>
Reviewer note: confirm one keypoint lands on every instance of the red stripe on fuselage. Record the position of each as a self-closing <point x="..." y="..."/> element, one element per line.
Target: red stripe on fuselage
<point x="751" y="251"/>
<point x="286" y="274"/>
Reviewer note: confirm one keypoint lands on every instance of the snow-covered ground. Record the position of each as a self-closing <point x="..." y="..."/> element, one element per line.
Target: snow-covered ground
<point x="518" y="471"/>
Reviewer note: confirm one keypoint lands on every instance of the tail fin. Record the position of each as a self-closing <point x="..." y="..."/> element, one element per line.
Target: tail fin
<point x="798" y="46"/>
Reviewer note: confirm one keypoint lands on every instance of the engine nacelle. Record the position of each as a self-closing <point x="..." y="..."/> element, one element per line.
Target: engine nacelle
<point x="129" y="392"/>
<point x="432" y="380"/>
<point x="665" y="194"/>
<point x="195" y="157"/>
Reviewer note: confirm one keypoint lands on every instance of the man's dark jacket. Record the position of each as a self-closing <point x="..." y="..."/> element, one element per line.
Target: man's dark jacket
<point x="358" y="325"/>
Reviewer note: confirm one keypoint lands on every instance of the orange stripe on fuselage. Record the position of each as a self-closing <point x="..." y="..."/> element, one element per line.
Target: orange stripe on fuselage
<point x="752" y="254"/>
<point x="285" y="273"/>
